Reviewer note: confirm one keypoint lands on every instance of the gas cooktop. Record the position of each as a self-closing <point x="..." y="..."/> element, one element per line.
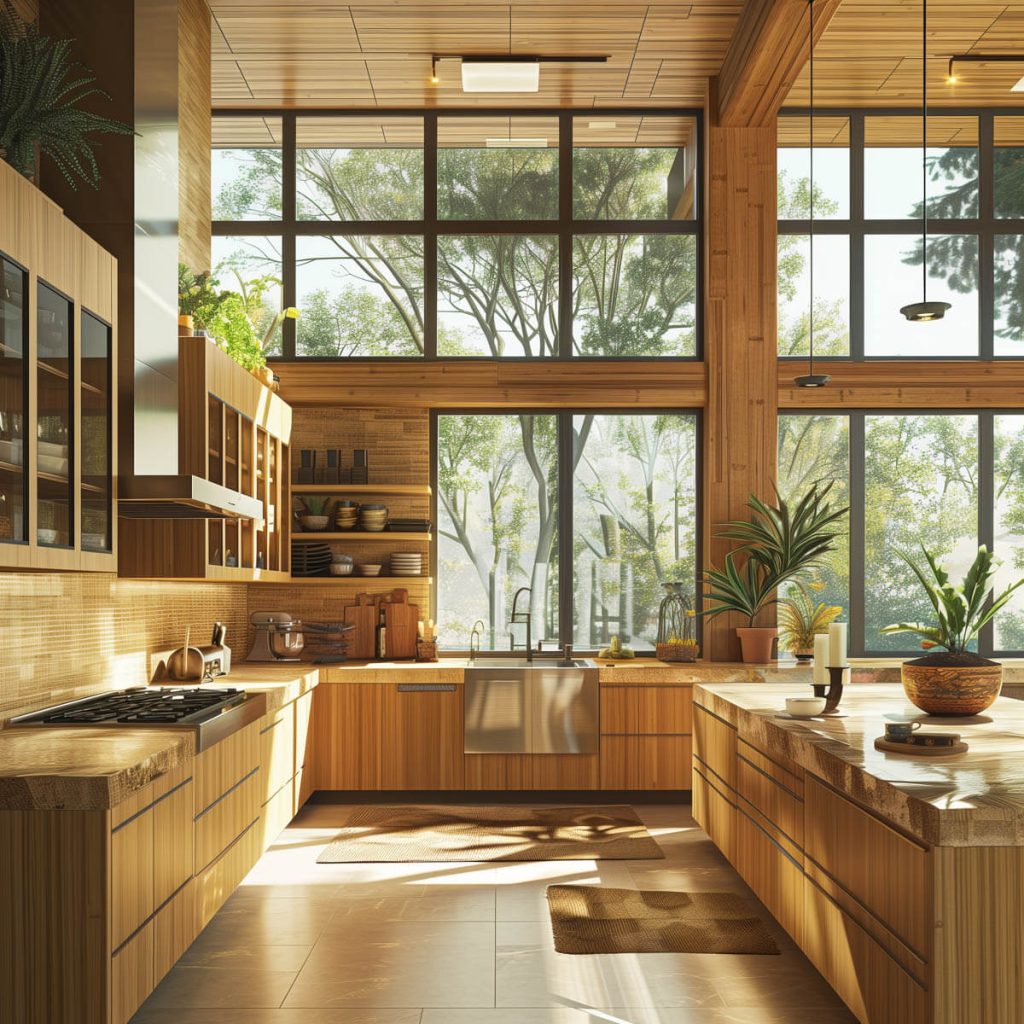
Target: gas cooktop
<point x="212" y="713"/>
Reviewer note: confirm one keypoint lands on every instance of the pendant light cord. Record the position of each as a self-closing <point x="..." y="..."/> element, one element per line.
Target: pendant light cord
<point x="810" y="39"/>
<point x="924" y="150"/>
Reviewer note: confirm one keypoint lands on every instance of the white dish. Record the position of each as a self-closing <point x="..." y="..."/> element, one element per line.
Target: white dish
<point x="46" y="536"/>
<point x="805" y="707"/>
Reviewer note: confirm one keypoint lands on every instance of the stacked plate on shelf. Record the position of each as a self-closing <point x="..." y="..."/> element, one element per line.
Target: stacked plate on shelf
<point x="406" y="564"/>
<point x="373" y="518"/>
<point x="311" y="559"/>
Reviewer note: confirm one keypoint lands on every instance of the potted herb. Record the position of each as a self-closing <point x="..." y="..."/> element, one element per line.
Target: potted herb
<point x="317" y="515"/>
<point x="955" y="681"/>
<point x="801" y="618"/>
<point x="41" y="92"/>
<point x="778" y="544"/>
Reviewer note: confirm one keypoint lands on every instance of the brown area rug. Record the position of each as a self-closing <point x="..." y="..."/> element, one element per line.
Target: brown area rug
<point x="442" y="833"/>
<point x="595" y="919"/>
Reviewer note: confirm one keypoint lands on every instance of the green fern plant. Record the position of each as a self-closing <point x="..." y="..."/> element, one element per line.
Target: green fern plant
<point x="41" y="90"/>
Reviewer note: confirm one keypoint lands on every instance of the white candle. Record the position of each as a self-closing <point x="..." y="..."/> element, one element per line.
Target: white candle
<point x="837" y="644"/>
<point x="821" y="642"/>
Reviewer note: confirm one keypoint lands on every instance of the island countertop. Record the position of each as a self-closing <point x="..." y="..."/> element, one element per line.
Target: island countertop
<point x="970" y="799"/>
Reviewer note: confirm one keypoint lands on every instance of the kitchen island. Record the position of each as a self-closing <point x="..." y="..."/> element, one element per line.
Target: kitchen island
<point x="901" y="877"/>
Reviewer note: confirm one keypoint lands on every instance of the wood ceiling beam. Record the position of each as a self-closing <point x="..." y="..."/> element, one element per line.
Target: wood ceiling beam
<point x="769" y="49"/>
<point x="488" y="383"/>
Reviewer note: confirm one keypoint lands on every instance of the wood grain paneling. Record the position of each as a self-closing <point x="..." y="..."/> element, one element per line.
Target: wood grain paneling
<point x="776" y="792"/>
<point x="217" y="882"/>
<point x="740" y="435"/>
<point x="473" y="383"/>
<point x="714" y="809"/>
<point x="194" y="136"/>
<point x="226" y="819"/>
<point x="174" y="929"/>
<point x="646" y="710"/>
<point x="421" y="738"/>
<point x="714" y="744"/>
<point x="346" y="727"/>
<point x="644" y="763"/>
<point x="224" y="765"/>
<point x="131" y="975"/>
<point x="131" y="877"/>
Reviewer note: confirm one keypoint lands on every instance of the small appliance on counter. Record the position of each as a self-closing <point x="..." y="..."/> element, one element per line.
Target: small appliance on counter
<point x="190" y="664"/>
<point x="279" y="637"/>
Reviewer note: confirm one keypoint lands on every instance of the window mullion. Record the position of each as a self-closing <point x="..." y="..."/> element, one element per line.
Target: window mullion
<point x="565" y="237"/>
<point x="857" y="236"/>
<point x="857" y="534"/>
<point x="986" y="505"/>
<point x="289" y="157"/>
<point x="566" y="568"/>
<point x="430" y="235"/>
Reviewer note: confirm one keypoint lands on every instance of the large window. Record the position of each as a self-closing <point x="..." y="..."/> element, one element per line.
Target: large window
<point x="947" y="480"/>
<point x="869" y="258"/>
<point x="527" y="235"/>
<point x="611" y="496"/>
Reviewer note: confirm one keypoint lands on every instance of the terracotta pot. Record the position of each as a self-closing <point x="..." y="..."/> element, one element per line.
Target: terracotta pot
<point x="952" y="684"/>
<point x="184" y="325"/>
<point x="756" y="643"/>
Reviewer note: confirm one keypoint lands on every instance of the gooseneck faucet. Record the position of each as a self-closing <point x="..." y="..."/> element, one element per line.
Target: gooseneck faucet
<point x="476" y="634"/>
<point x="518" y="616"/>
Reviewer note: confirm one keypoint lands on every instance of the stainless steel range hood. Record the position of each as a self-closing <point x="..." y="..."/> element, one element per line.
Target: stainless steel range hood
<point x="156" y="488"/>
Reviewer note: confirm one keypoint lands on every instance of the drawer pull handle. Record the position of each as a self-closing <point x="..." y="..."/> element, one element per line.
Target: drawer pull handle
<point x="426" y="687"/>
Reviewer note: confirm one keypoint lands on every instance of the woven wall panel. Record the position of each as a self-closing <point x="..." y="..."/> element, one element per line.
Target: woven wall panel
<point x="64" y="635"/>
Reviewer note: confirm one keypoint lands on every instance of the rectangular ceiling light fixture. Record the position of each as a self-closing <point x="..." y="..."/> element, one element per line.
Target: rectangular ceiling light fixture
<point x="1019" y="87"/>
<point x="500" y="76"/>
<point x="602" y="126"/>
<point x="516" y="143"/>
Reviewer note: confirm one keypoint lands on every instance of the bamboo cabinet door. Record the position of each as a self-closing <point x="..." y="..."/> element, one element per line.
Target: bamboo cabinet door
<point x="421" y="740"/>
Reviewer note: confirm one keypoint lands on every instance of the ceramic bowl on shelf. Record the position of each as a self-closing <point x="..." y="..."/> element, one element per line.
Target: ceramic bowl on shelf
<point x="369" y="570"/>
<point x="341" y="568"/>
<point x="315" y="524"/>
<point x="805" y="707"/>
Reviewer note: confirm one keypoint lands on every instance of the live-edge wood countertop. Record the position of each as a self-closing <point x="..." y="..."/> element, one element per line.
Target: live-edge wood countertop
<point x="970" y="799"/>
<point x="94" y="767"/>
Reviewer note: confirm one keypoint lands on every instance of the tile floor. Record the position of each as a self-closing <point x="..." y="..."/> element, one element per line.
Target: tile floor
<point x="308" y="943"/>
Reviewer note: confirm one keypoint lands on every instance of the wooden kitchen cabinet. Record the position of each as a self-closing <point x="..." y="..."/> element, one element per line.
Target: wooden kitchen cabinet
<point x="421" y="736"/>
<point x="346" y="729"/>
<point x="58" y="417"/>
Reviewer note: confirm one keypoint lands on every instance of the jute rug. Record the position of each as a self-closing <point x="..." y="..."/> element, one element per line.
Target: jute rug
<point x="595" y="919"/>
<point x="443" y="833"/>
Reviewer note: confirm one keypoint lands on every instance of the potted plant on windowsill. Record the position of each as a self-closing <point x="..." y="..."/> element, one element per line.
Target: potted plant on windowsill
<point x="778" y="544"/>
<point x="801" y="618"/>
<point x="955" y="681"/>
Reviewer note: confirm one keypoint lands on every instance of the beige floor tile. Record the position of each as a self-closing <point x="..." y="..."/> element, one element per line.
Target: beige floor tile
<point x="277" y="1016"/>
<point x="212" y="951"/>
<point x="270" y="922"/>
<point x="400" y="964"/>
<point x="469" y="904"/>
<point x="212" y="987"/>
<point x="637" y="1015"/>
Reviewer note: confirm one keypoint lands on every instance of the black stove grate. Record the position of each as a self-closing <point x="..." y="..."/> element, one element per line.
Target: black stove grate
<point x="143" y="707"/>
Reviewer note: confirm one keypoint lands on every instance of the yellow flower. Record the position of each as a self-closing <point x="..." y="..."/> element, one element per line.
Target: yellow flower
<point x="690" y="613"/>
<point x="817" y="586"/>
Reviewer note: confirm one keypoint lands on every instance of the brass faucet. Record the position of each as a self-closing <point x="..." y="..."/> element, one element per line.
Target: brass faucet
<point x="476" y="634"/>
<point x="521" y="617"/>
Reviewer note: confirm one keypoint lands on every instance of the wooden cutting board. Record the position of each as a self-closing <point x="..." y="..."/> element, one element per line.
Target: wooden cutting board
<point x="363" y="616"/>
<point x="401" y="620"/>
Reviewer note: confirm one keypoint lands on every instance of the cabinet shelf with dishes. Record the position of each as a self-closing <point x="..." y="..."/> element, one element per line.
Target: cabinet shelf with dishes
<point x="400" y="490"/>
<point x="58" y="417"/>
<point x="382" y="536"/>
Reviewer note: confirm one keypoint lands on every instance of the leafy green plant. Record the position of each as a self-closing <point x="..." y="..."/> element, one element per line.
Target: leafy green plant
<point x="801" y="618"/>
<point x="41" y="92"/>
<point x="316" y="505"/>
<point x="198" y="296"/>
<point x="778" y="544"/>
<point x="961" y="610"/>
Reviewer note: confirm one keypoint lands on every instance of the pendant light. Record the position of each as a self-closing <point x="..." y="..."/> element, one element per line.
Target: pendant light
<point x="924" y="312"/>
<point x="811" y="379"/>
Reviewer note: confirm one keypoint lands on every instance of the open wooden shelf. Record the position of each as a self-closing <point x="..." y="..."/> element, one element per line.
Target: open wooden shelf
<point x="312" y="538"/>
<point x="330" y="581"/>
<point x="398" y="489"/>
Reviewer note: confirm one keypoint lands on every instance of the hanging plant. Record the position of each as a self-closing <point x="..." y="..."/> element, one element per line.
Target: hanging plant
<point x="41" y="90"/>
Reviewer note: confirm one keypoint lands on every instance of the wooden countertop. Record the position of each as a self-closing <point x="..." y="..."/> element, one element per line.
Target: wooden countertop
<point x="970" y="799"/>
<point x="94" y="768"/>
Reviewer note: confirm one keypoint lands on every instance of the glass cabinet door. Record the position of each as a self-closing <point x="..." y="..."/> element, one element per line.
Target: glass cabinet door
<point x="54" y="440"/>
<point x="97" y="506"/>
<point x="13" y="403"/>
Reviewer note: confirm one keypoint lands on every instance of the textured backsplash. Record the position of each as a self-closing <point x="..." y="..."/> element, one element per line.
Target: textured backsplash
<point x="64" y="635"/>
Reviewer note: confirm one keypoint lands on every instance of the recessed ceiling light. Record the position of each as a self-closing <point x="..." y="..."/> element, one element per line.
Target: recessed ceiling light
<point x="602" y="126"/>
<point x="500" y="76"/>
<point x="516" y="143"/>
<point x="1018" y="87"/>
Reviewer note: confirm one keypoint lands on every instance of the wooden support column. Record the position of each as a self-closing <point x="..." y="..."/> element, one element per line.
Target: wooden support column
<point x="740" y="429"/>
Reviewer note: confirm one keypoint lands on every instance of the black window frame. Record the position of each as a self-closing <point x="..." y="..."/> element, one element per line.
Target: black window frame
<point x="985" y="525"/>
<point x="565" y="226"/>
<point x="984" y="227"/>
<point x="564" y="417"/>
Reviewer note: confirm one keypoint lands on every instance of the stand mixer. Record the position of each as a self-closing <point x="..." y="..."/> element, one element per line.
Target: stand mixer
<point x="279" y="637"/>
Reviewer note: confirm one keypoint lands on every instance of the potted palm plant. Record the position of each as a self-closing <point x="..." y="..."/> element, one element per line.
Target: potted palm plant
<point x="778" y="544"/>
<point x="954" y="681"/>
<point x="801" y="618"/>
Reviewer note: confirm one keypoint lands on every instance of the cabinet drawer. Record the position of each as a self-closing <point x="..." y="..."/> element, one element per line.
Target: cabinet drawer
<point x="174" y="928"/>
<point x="219" y="825"/>
<point x="225" y="764"/>
<point x="850" y="845"/>
<point x="875" y="988"/>
<point x="277" y="750"/>
<point x="131" y="876"/>
<point x="217" y="882"/>
<point x="714" y="743"/>
<point x="131" y="975"/>
<point x="647" y="710"/>
<point x="772" y="789"/>
<point x="714" y="812"/>
<point x="303" y="734"/>
<point x="776" y="877"/>
<point x="646" y="762"/>
<point x="173" y="842"/>
<point x="275" y="814"/>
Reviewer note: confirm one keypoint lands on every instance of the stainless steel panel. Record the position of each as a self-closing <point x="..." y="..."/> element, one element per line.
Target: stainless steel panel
<point x="496" y="716"/>
<point x="564" y="711"/>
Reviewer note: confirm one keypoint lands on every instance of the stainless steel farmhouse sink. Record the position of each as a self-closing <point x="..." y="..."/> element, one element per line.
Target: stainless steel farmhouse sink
<point x="514" y="706"/>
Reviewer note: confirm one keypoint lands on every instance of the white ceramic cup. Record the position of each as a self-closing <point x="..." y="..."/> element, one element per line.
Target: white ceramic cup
<point x="805" y="707"/>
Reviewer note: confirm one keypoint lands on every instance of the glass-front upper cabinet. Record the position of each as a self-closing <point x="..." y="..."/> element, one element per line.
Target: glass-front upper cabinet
<point x="55" y="526"/>
<point x="96" y="434"/>
<point x="13" y="403"/>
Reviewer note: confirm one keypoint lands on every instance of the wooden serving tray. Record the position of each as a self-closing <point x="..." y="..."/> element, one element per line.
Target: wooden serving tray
<point x="918" y="749"/>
